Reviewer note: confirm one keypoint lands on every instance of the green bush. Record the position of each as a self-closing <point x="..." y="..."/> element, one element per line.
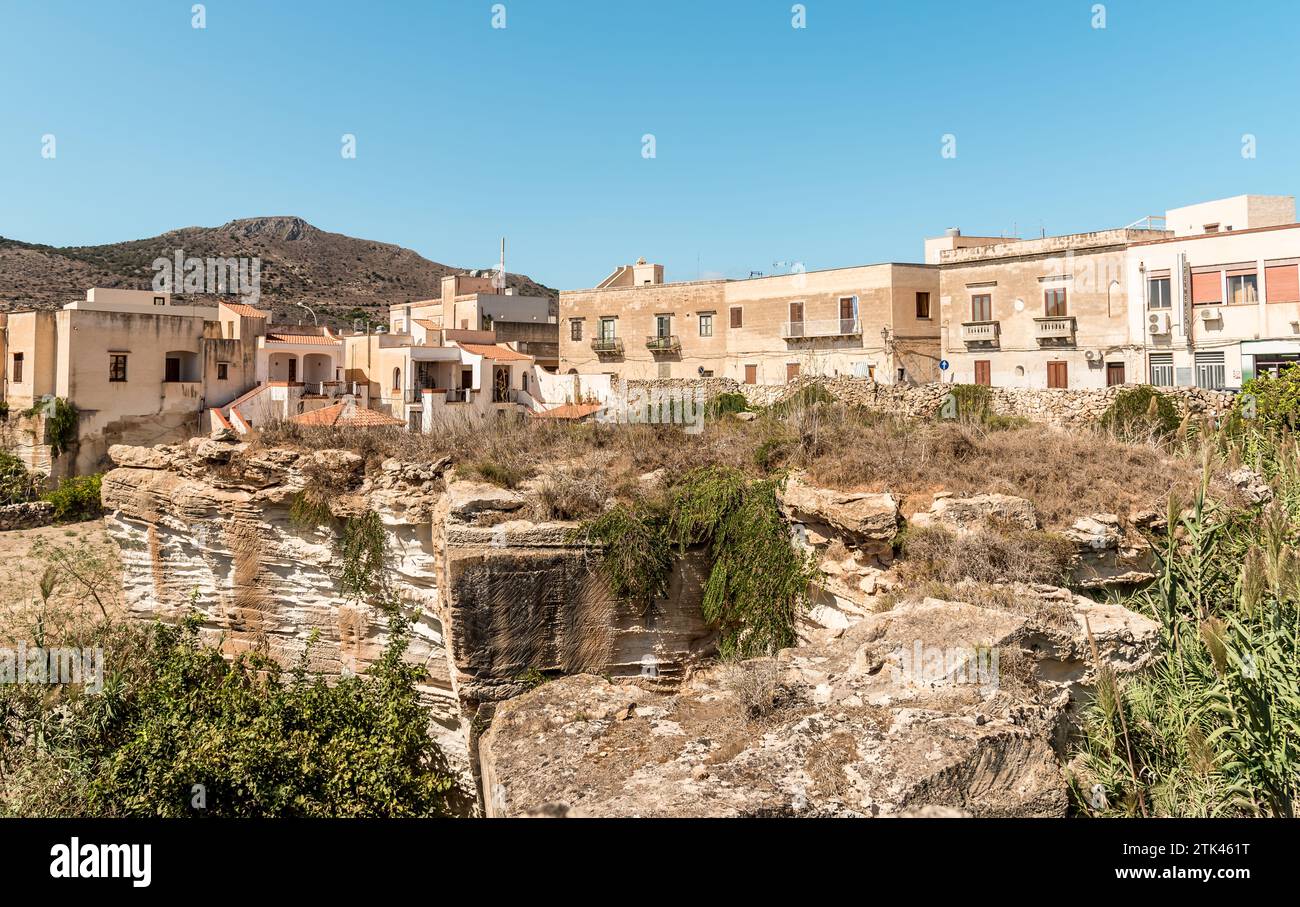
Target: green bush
<point x="726" y="404"/>
<point x="174" y="714"/>
<point x="76" y="498"/>
<point x="1271" y="403"/>
<point x="1141" y="411"/>
<point x="17" y="485"/>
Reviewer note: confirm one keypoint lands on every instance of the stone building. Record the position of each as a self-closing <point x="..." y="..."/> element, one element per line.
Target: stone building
<point x="878" y="321"/>
<point x="139" y="367"/>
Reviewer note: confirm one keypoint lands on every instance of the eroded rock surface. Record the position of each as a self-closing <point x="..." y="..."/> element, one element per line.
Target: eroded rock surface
<point x="908" y="711"/>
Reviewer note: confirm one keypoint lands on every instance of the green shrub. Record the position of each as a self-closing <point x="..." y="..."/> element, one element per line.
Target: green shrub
<point x="726" y="404"/>
<point x="758" y="582"/>
<point x="60" y="425"/>
<point x="1139" y="412"/>
<point x="970" y="403"/>
<point x="174" y="714"/>
<point x="1271" y="403"/>
<point x="17" y="485"/>
<point x="363" y="551"/>
<point x="501" y="474"/>
<point x="807" y="397"/>
<point x="76" y="498"/>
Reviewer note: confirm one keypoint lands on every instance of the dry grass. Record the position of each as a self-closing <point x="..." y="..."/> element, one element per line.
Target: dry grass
<point x="992" y="554"/>
<point x="1065" y="474"/>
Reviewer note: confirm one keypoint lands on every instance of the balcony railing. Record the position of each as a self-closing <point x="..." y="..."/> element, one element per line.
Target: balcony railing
<point x="667" y="343"/>
<point x="830" y="327"/>
<point x="416" y="394"/>
<point x="505" y="395"/>
<point x="607" y="346"/>
<point x="328" y="388"/>
<point x="980" y="331"/>
<point x="1054" y="328"/>
<point x="459" y="395"/>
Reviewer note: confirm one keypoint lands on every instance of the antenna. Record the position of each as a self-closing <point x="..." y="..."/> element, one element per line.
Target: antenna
<point x="500" y="281"/>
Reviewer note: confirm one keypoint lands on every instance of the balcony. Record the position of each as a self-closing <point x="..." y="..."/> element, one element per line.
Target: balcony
<point x="831" y="327"/>
<point x="980" y="331"/>
<point x="1055" y="330"/>
<point x="607" y="346"/>
<point x="668" y="343"/>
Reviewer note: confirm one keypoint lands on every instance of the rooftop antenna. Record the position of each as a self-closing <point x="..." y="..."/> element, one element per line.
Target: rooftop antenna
<point x="499" y="281"/>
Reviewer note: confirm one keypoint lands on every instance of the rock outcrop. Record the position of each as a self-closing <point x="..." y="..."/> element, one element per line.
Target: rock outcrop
<point x="931" y="706"/>
<point x="495" y="601"/>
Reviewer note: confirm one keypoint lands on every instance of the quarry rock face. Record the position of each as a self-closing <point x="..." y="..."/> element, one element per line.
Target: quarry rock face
<point x="495" y="600"/>
<point x="934" y="707"/>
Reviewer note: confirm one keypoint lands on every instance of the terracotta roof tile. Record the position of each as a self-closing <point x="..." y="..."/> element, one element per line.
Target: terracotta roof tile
<point x="315" y="339"/>
<point x="496" y="351"/>
<point x="246" y="310"/>
<point x="569" y="411"/>
<point x="337" y="414"/>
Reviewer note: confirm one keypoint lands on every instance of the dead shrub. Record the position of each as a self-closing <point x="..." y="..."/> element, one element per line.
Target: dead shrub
<point x="571" y="494"/>
<point x="755" y="685"/>
<point x="986" y="555"/>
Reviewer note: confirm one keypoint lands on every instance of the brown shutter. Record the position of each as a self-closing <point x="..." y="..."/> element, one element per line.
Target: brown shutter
<point x="735" y="316"/>
<point x="983" y="372"/>
<point x="1057" y="375"/>
<point x="1207" y="287"/>
<point x="751" y="374"/>
<point x="1282" y="283"/>
<point x="791" y="371"/>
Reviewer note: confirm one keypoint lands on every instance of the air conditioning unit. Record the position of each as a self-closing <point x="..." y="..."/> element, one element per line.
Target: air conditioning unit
<point x="1091" y="355"/>
<point x="1157" y="323"/>
<point x="1211" y="314"/>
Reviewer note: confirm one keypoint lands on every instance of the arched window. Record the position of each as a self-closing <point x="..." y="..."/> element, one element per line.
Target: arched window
<point x="397" y="379"/>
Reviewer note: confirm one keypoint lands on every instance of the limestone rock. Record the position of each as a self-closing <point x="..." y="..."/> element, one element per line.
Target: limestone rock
<point x="859" y="725"/>
<point x="963" y="513"/>
<point x="854" y="516"/>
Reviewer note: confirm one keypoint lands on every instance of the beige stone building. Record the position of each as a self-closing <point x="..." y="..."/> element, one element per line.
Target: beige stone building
<point x="878" y="321"/>
<point x="1096" y="309"/>
<point x="139" y="368"/>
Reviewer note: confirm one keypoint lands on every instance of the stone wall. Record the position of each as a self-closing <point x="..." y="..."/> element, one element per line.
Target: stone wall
<point x="26" y="516"/>
<point x="1055" y="407"/>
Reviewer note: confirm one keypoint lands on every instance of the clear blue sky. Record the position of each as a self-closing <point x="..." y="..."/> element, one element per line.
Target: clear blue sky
<point x="819" y="145"/>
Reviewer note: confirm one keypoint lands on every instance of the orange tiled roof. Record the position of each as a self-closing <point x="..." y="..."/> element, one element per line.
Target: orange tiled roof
<point x="303" y="338"/>
<point x="428" y="324"/>
<point x="334" y="415"/>
<point x="569" y="411"/>
<point x="246" y="310"/>
<point x="496" y="351"/>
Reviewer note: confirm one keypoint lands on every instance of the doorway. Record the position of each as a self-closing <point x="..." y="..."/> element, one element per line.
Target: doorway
<point x="1114" y="373"/>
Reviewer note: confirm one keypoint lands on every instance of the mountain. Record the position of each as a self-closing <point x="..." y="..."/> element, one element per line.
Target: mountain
<point x="330" y="272"/>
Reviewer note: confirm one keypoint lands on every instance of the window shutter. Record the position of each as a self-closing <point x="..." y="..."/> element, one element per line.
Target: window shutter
<point x="1207" y="287"/>
<point x="1282" y="283"/>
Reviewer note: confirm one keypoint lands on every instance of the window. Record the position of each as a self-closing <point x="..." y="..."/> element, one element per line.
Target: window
<point x="706" y="373"/>
<point x="1210" y="371"/>
<point x="706" y="324"/>
<point x="1114" y="373"/>
<point x="1207" y="287"/>
<point x="1243" y="289"/>
<point x="1058" y="375"/>
<point x="607" y="327"/>
<point x="737" y="318"/>
<point x="751" y="374"/>
<point x="230" y="330"/>
<point x="1211" y="228"/>
<point x="575" y="329"/>
<point x="663" y="325"/>
<point x="117" y="367"/>
<point x="923" y="305"/>
<point x="397" y="379"/>
<point x="1282" y="283"/>
<point x="848" y="314"/>
<point x="1162" y="369"/>
<point x="1054" y="302"/>
<point x="18" y="368"/>
<point x="160" y="300"/>
<point x="223" y="371"/>
<point x="791" y="371"/>
<point x="983" y="372"/>
<point x="981" y="307"/>
<point x="1158" y="293"/>
<point x="796" y="319"/>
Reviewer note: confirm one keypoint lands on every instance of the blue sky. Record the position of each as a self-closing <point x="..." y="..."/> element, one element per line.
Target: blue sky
<point x="819" y="145"/>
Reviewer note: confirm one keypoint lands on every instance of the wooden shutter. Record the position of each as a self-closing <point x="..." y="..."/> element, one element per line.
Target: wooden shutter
<point x="736" y="318"/>
<point x="1207" y="287"/>
<point x="791" y="371"/>
<point x="796" y="312"/>
<point x="751" y="372"/>
<point x="983" y="373"/>
<point x="1058" y="375"/>
<point x="1282" y="283"/>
